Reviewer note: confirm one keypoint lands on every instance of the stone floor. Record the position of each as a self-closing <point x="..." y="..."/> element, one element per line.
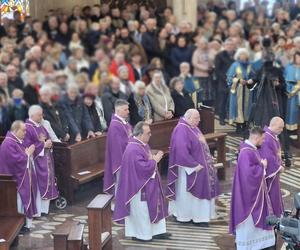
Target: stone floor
<point x="184" y="237"/>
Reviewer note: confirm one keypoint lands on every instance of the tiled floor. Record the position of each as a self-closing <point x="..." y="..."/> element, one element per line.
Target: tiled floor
<point x="185" y="237"/>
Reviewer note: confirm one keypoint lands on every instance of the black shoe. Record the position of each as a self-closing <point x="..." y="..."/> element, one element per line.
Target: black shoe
<point x="44" y="214"/>
<point x="222" y="122"/>
<point x="136" y="239"/>
<point x="201" y="224"/>
<point x="164" y="236"/>
<point x="24" y="230"/>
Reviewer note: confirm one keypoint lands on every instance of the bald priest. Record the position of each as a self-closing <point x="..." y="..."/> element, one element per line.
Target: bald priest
<point x="192" y="178"/>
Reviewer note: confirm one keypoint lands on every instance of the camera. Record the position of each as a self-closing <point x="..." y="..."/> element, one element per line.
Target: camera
<point x="288" y="226"/>
<point x="266" y="42"/>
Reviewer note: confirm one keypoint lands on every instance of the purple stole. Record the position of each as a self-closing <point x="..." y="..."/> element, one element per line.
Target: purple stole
<point x="271" y="150"/>
<point x="44" y="165"/>
<point x="249" y="190"/>
<point x="187" y="150"/>
<point x="137" y="175"/>
<point x="15" y="161"/>
<point x="117" y="138"/>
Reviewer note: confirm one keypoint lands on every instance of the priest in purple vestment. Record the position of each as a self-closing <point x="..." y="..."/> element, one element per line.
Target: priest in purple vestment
<point x="192" y="177"/>
<point x="140" y="202"/>
<point x="271" y="151"/>
<point x="118" y="134"/>
<point x="15" y="160"/>
<point x="42" y="158"/>
<point x="250" y="202"/>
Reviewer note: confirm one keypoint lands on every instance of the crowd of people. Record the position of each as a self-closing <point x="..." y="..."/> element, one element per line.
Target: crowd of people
<point x="76" y="66"/>
<point x="72" y="77"/>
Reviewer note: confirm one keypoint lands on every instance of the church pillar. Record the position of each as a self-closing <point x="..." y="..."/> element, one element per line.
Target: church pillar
<point x="185" y="10"/>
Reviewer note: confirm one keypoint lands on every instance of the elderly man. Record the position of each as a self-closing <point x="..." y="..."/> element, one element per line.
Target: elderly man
<point x="271" y="151"/>
<point x="80" y="122"/>
<point x="110" y="96"/>
<point x="140" y="199"/>
<point x="37" y="135"/>
<point x="118" y="135"/>
<point x="53" y="112"/>
<point x="250" y="203"/>
<point x="16" y="160"/>
<point x="191" y="177"/>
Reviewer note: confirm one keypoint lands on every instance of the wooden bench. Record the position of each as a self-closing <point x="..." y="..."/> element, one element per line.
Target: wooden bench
<point x="11" y="221"/>
<point x="69" y="236"/>
<point x="82" y="162"/>
<point x="78" y="163"/>
<point x="99" y="221"/>
<point x="161" y="136"/>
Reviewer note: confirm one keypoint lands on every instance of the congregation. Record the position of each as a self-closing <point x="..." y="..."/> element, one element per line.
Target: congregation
<point x="105" y="69"/>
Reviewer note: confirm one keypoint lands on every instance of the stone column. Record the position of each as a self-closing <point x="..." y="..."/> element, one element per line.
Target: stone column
<point x="185" y="10"/>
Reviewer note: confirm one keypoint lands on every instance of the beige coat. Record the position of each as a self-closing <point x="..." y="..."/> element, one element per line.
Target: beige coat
<point x="202" y="62"/>
<point x="161" y="101"/>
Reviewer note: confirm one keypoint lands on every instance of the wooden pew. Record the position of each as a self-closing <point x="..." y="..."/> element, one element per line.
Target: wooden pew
<point x="99" y="221"/>
<point x="71" y="161"/>
<point x="11" y="221"/>
<point x="69" y="236"/>
<point x="78" y="163"/>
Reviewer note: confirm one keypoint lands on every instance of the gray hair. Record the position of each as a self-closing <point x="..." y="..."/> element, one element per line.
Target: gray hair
<point x="122" y="68"/>
<point x="33" y="109"/>
<point x="16" y="125"/>
<point x="139" y="128"/>
<point x="121" y="102"/>
<point x="45" y="89"/>
<point x="139" y="84"/>
<point x="73" y="86"/>
<point x="189" y="113"/>
<point x="175" y="80"/>
<point x="239" y="52"/>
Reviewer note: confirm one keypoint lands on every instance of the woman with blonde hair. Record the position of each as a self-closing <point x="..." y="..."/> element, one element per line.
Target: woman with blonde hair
<point x="160" y="98"/>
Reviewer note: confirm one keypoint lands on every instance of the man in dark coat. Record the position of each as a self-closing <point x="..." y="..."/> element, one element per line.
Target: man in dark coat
<point x="53" y="112"/>
<point x="150" y="40"/>
<point x="223" y="61"/>
<point x="77" y="114"/>
<point x="14" y="81"/>
<point x="109" y="98"/>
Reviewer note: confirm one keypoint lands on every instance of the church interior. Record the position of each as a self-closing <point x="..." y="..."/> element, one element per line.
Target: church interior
<point x="234" y="63"/>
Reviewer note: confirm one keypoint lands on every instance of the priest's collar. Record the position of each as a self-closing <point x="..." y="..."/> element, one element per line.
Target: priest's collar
<point x="121" y="118"/>
<point x="35" y="123"/>
<point x="144" y="144"/>
<point x="250" y="144"/>
<point x="19" y="140"/>
<point x="267" y="129"/>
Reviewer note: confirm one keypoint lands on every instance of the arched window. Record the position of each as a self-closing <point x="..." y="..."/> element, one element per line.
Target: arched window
<point x="8" y="7"/>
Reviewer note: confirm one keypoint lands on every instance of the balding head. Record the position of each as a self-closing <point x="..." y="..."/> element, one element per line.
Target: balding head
<point x="18" y="128"/>
<point x="192" y="117"/>
<point x="276" y="125"/>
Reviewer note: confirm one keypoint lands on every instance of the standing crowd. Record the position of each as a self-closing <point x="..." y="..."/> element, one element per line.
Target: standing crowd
<point x="102" y="68"/>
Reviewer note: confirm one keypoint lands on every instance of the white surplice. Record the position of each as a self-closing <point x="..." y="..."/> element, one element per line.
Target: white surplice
<point x="249" y="237"/>
<point x="138" y="223"/>
<point x="187" y="207"/>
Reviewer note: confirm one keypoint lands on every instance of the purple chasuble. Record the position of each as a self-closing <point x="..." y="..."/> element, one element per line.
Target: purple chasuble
<point x="116" y="141"/>
<point x="271" y="151"/>
<point x="15" y="161"/>
<point x="44" y="165"/>
<point x="249" y="190"/>
<point x="137" y="175"/>
<point x="187" y="150"/>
